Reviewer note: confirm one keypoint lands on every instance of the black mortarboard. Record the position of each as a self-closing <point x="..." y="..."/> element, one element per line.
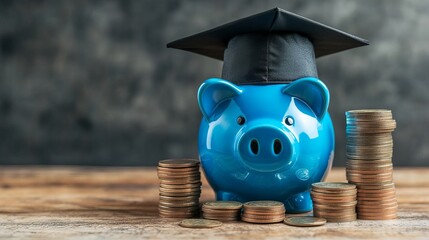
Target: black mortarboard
<point x="275" y="46"/>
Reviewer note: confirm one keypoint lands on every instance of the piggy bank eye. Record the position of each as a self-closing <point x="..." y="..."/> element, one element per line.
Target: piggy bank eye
<point x="289" y="121"/>
<point x="241" y="120"/>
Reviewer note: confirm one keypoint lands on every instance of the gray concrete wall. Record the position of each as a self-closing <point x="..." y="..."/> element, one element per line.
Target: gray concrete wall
<point x="91" y="82"/>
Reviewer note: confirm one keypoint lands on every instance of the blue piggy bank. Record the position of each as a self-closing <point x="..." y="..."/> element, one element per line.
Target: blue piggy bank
<point x="265" y="142"/>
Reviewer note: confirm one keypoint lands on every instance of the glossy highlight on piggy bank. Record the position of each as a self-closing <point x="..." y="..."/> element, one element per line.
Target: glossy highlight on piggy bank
<point x="252" y="149"/>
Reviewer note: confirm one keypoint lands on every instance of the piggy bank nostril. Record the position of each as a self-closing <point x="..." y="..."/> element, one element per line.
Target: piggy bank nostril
<point x="254" y="146"/>
<point x="277" y="146"/>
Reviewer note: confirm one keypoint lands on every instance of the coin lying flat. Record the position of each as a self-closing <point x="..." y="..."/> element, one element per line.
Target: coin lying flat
<point x="223" y="205"/>
<point x="334" y="185"/>
<point x="200" y="223"/>
<point x="263" y="205"/>
<point x="178" y="163"/>
<point x="305" y="221"/>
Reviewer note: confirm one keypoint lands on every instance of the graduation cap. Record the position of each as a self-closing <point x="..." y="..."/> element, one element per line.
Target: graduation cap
<point x="275" y="46"/>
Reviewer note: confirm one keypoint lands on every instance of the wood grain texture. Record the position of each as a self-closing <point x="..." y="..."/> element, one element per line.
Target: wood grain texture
<point x="121" y="203"/>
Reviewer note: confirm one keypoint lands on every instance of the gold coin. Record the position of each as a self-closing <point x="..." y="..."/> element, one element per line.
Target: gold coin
<point x="178" y="163"/>
<point x="200" y="223"/>
<point x="223" y="205"/>
<point x="339" y="205"/>
<point x="305" y="221"/>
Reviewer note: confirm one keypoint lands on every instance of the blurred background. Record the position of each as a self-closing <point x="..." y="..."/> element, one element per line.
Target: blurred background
<point x="92" y="82"/>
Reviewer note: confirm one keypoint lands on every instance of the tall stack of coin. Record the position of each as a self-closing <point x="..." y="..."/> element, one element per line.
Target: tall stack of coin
<point x="222" y="210"/>
<point x="369" y="162"/>
<point x="263" y="212"/>
<point x="336" y="202"/>
<point x="180" y="188"/>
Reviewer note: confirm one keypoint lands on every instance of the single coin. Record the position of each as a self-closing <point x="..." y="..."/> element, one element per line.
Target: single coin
<point x="338" y="220"/>
<point x="222" y="219"/>
<point x="376" y="195"/>
<point x="178" y="214"/>
<point x="179" y="170"/>
<point x="330" y="192"/>
<point x="379" y="217"/>
<point x="378" y="198"/>
<point x="263" y="205"/>
<point x="223" y="205"/>
<point x="221" y="214"/>
<point x="175" y="176"/>
<point x="174" y="199"/>
<point x="333" y="186"/>
<point x="333" y="196"/>
<point x="179" y="204"/>
<point x="334" y="215"/>
<point x="333" y="200"/>
<point x="170" y="194"/>
<point x="180" y="190"/>
<point x="265" y="212"/>
<point x="267" y="216"/>
<point x="254" y="220"/>
<point x="200" y="223"/>
<point x="181" y="181"/>
<point x="175" y="186"/>
<point x="377" y="211"/>
<point x="376" y="186"/>
<point x="305" y="221"/>
<point x="178" y="163"/>
<point x="225" y="211"/>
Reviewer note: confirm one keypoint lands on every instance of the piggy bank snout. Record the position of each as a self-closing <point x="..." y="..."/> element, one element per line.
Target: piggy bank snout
<point x="266" y="148"/>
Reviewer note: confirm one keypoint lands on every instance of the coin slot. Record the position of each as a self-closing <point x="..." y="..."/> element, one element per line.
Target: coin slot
<point x="254" y="146"/>
<point x="277" y="147"/>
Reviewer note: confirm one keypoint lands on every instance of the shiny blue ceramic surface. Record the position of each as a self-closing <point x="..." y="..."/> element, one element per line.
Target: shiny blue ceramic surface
<point x="265" y="142"/>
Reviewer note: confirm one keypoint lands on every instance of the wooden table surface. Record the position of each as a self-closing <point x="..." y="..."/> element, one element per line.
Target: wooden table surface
<point x="121" y="203"/>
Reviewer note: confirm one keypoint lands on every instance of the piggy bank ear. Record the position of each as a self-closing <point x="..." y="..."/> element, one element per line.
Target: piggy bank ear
<point x="313" y="92"/>
<point x="213" y="92"/>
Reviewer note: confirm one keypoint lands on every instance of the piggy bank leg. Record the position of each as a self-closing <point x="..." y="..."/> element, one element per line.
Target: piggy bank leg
<point x="229" y="196"/>
<point x="299" y="203"/>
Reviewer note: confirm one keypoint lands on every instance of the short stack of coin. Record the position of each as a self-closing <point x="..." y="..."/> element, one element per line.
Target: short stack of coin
<point x="263" y="212"/>
<point x="369" y="162"/>
<point x="222" y="210"/>
<point x="180" y="188"/>
<point x="336" y="202"/>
